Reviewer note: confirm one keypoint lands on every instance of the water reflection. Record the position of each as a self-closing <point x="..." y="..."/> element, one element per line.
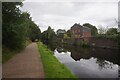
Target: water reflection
<point x="104" y="64"/>
<point x="89" y="62"/>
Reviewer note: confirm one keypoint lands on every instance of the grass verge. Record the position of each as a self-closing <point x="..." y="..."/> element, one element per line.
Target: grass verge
<point x="8" y="54"/>
<point x="52" y="67"/>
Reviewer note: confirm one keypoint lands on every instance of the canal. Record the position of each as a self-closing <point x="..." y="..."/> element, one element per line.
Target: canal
<point x="88" y="62"/>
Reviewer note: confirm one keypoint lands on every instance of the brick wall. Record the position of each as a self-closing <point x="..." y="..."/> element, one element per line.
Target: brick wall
<point x="103" y="42"/>
<point x="86" y="34"/>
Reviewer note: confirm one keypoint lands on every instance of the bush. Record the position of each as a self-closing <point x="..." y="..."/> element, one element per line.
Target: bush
<point x="81" y="43"/>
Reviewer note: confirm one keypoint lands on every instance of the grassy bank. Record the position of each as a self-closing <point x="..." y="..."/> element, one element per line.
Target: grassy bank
<point x="7" y="53"/>
<point x="52" y="67"/>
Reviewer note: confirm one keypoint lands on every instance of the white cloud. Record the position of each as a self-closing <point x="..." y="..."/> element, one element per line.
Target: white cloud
<point x="64" y="14"/>
<point x="71" y="0"/>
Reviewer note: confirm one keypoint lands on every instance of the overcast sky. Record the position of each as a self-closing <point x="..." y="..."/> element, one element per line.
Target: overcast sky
<point x="63" y="14"/>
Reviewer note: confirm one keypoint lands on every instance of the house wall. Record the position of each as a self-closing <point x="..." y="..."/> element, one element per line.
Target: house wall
<point x="86" y="34"/>
<point x="79" y="31"/>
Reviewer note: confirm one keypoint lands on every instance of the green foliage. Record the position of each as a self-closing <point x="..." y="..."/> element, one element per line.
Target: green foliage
<point x="112" y="31"/>
<point x="60" y="35"/>
<point x="34" y="31"/>
<point x="82" y="43"/>
<point x="48" y="36"/>
<point x="17" y="29"/>
<point x="110" y="37"/>
<point x="43" y="36"/>
<point x="13" y="33"/>
<point x="17" y="26"/>
<point x="118" y="40"/>
<point x="66" y="36"/>
<point x="111" y="34"/>
<point x="102" y="31"/>
<point x="94" y="30"/>
<point x="69" y="33"/>
<point x="7" y="54"/>
<point x="52" y="67"/>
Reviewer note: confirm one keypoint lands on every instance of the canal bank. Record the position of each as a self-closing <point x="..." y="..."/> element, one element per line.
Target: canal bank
<point x="90" y="41"/>
<point x="52" y="67"/>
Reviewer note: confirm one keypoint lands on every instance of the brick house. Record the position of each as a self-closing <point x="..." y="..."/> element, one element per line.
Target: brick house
<point x="80" y="31"/>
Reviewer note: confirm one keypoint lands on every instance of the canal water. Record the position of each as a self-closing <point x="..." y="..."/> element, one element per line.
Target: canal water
<point x="88" y="62"/>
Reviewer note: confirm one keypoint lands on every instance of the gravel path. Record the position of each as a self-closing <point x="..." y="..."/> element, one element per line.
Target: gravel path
<point x="26" y="64"/>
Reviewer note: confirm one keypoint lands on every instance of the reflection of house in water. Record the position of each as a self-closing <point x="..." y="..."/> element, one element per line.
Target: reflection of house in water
<point x="78" y="53"/>
<point x="80" y="31"/>
<point x="87" y="68"/>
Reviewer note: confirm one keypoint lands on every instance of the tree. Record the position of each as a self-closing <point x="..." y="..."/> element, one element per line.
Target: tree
<point x="17" y="26"/>
<point x="13" y="35"/>
<point x="60" y="33"/>
<point x="102" y="30"/>
<point x="34" y="32"/>
<point x="66" y="36"/>
<point x="69" y="33"/>
<point x="118" y="40"/>
<point x="112" y="31"/>
<point x="48" y="36"/>
<point x="94" y="30"/>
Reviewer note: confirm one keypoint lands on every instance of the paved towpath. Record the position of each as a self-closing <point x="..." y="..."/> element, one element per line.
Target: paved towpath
<point x="26" y="64"/>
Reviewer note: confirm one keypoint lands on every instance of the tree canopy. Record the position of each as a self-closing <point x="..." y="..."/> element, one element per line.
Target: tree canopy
<point x="48" y="36"/>
<point x="94" y="30"/>
<point x="112" y="31"/>
<point x="69" y="33"/>
<point x="17" y="26"/>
